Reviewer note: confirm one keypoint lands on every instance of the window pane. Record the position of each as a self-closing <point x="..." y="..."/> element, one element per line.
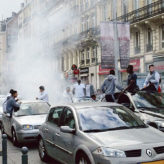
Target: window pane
<point x="69" y="119"/>
<point x="55" y="115"/>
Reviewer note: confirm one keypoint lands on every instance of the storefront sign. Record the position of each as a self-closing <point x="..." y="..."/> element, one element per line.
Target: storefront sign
<point x="84" y="70"/>
<point x="103" y="71"/>
<point x="107" y="45"/>
<point x="124" y="43"/>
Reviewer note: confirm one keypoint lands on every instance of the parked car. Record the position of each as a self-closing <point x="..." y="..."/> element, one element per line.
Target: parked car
<point x="24" y="124"/>
<point x="98" y="133"/>
<point x="148" y="106"/>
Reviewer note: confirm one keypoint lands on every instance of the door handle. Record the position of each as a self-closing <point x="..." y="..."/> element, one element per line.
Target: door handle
<point x="57" y="134"/>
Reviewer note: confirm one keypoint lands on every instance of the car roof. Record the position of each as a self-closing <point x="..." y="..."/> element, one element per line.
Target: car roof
<point x="90" y="104"/>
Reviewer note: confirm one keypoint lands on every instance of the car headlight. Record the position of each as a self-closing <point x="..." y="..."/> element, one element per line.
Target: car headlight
<point x="108" y="152"/>
<point x="27" y="127"/>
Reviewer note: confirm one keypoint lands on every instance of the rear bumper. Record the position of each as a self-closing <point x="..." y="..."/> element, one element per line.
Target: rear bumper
<point x="27" y="136"/>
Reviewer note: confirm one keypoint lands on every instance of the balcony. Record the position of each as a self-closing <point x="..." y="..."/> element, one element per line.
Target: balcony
<point x="149" y="47"/>
<point x="145" y="12"/>
<point x="87" y="61"/>
<point x="90" y="32"/>
<point x="93" y="60"/>
<point x="82" y="62"/>
<point x="137" y="50"/>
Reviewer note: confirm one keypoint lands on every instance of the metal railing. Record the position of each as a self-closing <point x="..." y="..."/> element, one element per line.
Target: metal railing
<point x="145" y="12"/>
<point x="3" y="153"/>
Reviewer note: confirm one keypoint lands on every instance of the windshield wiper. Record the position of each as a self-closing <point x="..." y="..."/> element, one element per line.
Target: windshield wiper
<point x="139" y="126"/>
<point x="104" y="130"/>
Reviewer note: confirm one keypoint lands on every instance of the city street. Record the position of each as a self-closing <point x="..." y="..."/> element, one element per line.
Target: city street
<point x="14" y="154"/>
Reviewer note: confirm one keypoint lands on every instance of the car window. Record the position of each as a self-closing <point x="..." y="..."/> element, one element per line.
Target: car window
<point x="68" y="119"/>
<point x="54" y="115"/>
<point x="107" y="118"/>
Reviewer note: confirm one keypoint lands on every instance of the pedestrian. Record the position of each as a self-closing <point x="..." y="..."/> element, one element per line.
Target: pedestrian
<point x="43" y="95"/>
<point x="5" y="102"/>
<point x="152" y="80"/>
<point x="89" y="90"/>
<point x="109" y="86"/>
<point x="132" y="86"/>
<point x="12" y="104"/>
<point x="99" y="94"/>
<point x="79" y="90"/>
<point x="68" y="95"/>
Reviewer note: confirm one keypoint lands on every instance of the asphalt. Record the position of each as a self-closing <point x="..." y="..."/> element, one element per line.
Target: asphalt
<point x="14" y="154"/>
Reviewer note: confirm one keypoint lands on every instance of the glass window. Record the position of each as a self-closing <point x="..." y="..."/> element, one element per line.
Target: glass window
<point x="88" y="54"/>
<point x="94" y="54"/>
<point x="137" y="39"/>
<point x="68" y="119"/>
<point x="149" y="37"/>
<point x="124" y="7"/>
<point x="98" y="119"/>
<point x="27" y="109"/>
<point x="162" y="36"/>
<point x="54" y="115"/>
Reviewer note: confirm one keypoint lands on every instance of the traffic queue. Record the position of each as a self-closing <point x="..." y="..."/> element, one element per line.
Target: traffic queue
<point x="123" y="127"/>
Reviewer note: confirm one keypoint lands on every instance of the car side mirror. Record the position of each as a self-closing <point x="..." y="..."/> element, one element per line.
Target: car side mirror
<point x="67" y="129"/>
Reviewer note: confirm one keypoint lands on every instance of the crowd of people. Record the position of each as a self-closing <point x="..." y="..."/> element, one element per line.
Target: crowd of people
<point x="110" y="84"/>
<point x="86" y="90"/>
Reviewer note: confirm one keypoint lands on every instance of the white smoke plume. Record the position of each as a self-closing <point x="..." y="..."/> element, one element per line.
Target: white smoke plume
<point x="34" y="61"/>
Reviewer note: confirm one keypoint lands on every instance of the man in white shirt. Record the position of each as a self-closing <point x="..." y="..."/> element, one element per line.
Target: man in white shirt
<point x="79" y="90"/>
<point x="43" y="95"/>
<point x="68" y="95"/>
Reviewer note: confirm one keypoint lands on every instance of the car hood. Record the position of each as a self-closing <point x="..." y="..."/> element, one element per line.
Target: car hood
<point x="32" y="120"/>
<point x="128" y="137"/>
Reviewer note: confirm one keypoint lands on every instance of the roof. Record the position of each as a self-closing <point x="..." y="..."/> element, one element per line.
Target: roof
<point x="90" y="104"/>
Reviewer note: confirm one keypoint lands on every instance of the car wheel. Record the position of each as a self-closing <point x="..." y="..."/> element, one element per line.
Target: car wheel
<point x="83" y="159"/>
<point x="42" y="151"/>
<point x="14" y="138"/>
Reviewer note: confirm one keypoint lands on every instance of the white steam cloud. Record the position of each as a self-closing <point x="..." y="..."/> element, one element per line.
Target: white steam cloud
<point x="34" y="61"/>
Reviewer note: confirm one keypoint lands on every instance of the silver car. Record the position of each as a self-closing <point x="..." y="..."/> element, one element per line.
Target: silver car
<point x="99" y="133"/>
<point x="24" y="124"/>
<point x="2" y="100"/>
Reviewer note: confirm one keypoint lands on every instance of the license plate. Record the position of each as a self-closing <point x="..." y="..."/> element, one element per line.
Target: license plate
<point x="157" y="162"/>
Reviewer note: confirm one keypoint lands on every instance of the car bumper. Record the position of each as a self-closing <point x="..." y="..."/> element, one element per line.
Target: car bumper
<point x="134" y="160"/>
<point x="25" y="136"/>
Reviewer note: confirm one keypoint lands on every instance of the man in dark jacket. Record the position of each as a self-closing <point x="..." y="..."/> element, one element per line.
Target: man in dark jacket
<point x="132" y="80"/>
<point x="12" y="105"/>
<point x="109" y="87"/>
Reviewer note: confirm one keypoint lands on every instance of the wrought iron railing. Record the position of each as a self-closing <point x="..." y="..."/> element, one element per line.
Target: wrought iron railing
<point x="145" y="12"/>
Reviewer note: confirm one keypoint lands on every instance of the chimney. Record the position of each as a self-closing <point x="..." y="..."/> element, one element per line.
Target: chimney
<point x="22" y="5"/>
<point x="14" y="14"/>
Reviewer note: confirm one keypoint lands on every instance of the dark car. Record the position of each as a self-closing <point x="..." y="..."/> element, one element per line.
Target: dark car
<point x="148" y="106"/>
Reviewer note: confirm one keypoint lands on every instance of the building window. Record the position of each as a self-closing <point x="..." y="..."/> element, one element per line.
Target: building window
<point x="88" y="56"/>
<point x="94" y="54"/>
<point x="105" y="12"/>
<point x="137" y="42"/>
<point x="136" y="6"/>
<point x="149" y="46"/>
<point x="124" y="7"/>
<point x="149" y="9"/>
<point x="163" y="36"/>
<point x="82" y="58"/>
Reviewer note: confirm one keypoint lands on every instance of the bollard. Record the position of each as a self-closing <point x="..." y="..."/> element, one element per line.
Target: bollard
<point x="24" y="155"/>
<point x="4" y="149"/>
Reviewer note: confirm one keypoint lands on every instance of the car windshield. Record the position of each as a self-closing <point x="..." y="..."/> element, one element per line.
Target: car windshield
<point x="98" y="119"/>
<point x="27" y="109"/>
<point x="150" y="101"/>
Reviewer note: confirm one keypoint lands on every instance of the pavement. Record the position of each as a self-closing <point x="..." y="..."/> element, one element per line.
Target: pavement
<point x="14" y="154"/>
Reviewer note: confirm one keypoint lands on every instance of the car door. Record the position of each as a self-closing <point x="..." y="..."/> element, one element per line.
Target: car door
<point x="66" y="141"/>
<point x="7" y="124"/>
<point x="52" y="130"/>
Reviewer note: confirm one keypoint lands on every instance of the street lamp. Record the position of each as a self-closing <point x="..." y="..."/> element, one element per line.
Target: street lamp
<point x="116" y="45"/>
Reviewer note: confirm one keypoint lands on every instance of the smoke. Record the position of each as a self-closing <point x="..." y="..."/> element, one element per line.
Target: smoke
<point x="35" y="60"/>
